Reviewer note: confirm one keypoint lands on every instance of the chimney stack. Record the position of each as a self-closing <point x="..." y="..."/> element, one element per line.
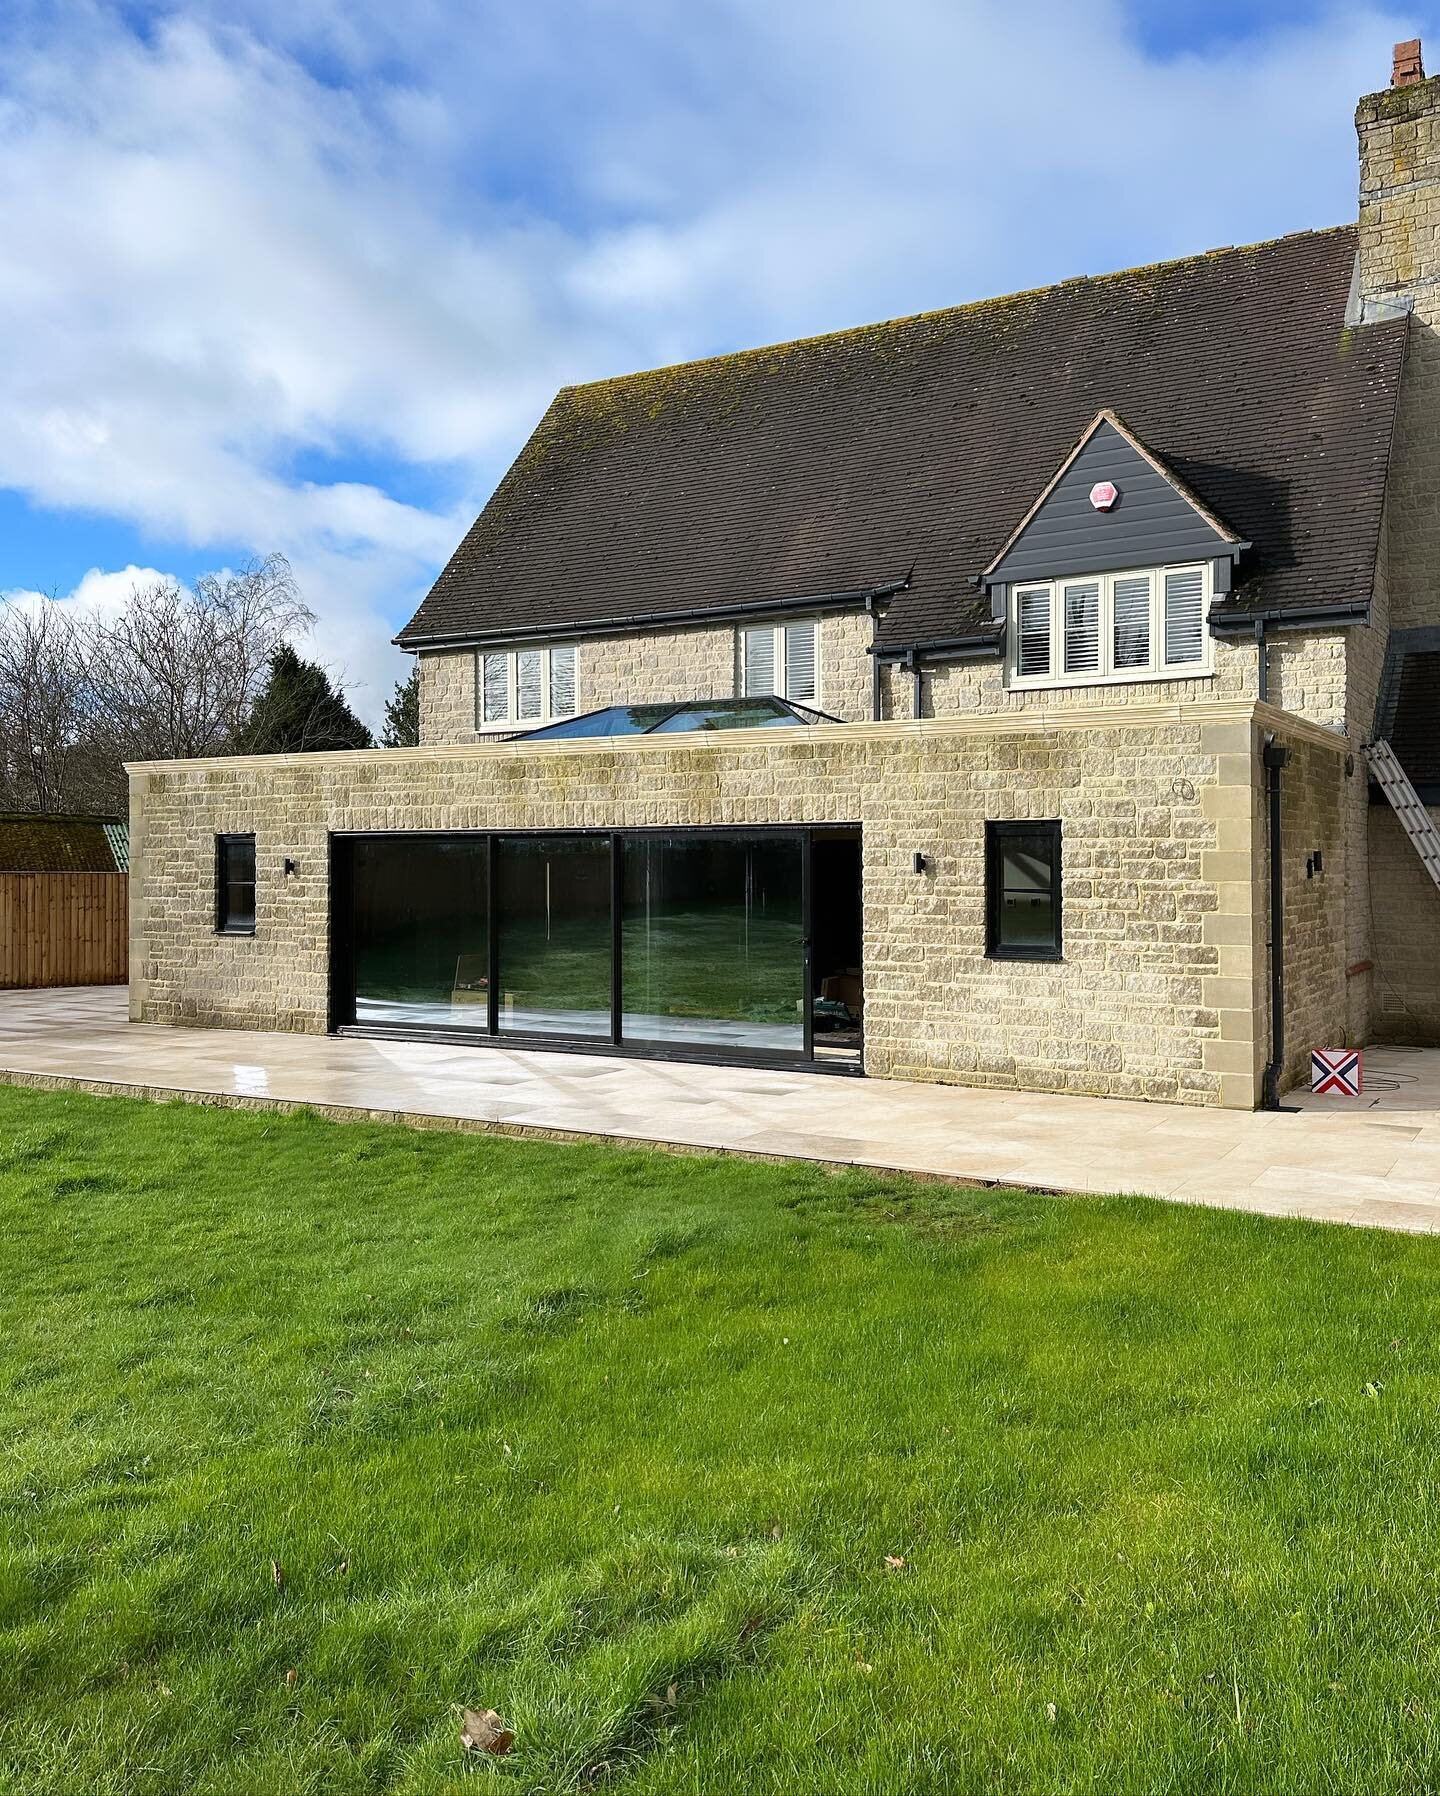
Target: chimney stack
<point x="1399" y="131"/>
<point x="1408" y="67"/>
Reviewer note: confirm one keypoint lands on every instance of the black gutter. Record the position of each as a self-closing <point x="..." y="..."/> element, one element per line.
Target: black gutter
<point x="1275" y="757"/>
<point x="859" y="598"/>
<point x="1293" y="617"/>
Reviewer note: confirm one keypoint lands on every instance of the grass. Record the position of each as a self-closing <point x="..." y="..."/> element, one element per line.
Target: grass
<point x="619" y="1443"/>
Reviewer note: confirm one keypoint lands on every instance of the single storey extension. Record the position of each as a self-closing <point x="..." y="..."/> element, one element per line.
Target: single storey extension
<point x="1040" y="693"/>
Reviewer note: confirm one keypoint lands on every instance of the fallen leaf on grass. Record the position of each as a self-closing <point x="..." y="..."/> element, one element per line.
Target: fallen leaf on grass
<point x="277" y="1572"/>
<point x="290" y="1678"/>
<point x="484" y="1731"/>
<point x="894" y="1562"/>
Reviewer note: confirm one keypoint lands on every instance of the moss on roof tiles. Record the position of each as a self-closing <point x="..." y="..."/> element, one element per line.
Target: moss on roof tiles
<point x="825" y="462"/>
<point x="31" y="842"/>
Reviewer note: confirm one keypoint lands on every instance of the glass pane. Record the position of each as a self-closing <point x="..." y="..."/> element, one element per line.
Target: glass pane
<point x="553" y="921"/>
<point x="1026" y="907"/>
<point x="1184" y="617"/>
<point x="239" y="906"/>
<point x="713" y="945"/>
<point x="800" y="646"/>
<point x="728" y="717"/>
<point x="420" y="943"/>
<point x="1082" y="628"/>
<point x="528" y="689"/>
<point x="1027" y="920"/>
<point x="1033" y="656"/>
<point x="496" y="687"/>
<point x="1132" y="621"/>
<point x="614" y="720"/>
<point x="562" y="682"/>
<point x="759" y="655"/>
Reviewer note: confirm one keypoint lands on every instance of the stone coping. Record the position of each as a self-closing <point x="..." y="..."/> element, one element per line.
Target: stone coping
<point x="1048" y="720"/>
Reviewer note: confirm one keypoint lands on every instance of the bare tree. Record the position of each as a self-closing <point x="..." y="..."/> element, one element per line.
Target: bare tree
<point x="45" y="764"/>
<point x="176" y="672"/>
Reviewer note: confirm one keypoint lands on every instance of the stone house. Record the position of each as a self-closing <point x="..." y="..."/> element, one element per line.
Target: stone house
<point x="995" y="696"/>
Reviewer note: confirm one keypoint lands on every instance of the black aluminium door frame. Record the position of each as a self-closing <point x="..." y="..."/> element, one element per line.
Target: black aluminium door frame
<point x="342" y="935"/>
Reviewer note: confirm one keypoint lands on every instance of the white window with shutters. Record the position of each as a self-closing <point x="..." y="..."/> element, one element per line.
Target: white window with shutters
<point x="1103" y="629"/>
<point x="783" y="660"/>
<point x="520" y="689"/>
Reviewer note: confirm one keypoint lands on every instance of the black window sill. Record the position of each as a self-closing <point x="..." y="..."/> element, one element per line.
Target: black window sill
<point x="1048" y="955"/>
<point x="231" y="931"/>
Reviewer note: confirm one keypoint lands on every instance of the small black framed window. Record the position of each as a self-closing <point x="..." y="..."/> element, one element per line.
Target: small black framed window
<point x="1022" y="890"/>
<point x="235" y="885"/>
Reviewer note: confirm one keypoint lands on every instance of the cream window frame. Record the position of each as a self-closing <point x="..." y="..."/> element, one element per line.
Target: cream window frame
<point x="780" y="663"/>
<point x="513" y="723"/>
<point x="1156" y="668"/>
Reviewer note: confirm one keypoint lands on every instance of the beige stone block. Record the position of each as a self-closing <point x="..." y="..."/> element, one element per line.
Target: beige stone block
<point x="1229" y="1056"/>
<point x="1239" y="1091"/>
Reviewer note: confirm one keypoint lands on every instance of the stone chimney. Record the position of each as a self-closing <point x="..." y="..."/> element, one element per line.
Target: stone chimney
<point x="1398" y="271"/>
<point x="1399" y="132"/>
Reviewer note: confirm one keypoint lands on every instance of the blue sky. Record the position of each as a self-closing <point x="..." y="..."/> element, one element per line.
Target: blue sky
<point x="302" y="274"/>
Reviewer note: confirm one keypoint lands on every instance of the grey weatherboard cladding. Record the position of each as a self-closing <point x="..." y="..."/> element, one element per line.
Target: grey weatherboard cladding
<point x="1152" y="522"/>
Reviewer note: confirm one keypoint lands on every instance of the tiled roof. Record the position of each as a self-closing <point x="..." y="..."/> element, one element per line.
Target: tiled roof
<point x="31" y="843"/>
<point x="844" y="462"/>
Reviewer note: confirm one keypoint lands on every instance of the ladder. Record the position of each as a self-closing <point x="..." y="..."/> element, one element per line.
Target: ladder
<point x="1415" y="820"/>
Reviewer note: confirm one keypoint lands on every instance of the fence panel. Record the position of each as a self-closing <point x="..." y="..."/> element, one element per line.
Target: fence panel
<point x="63" y="929"/>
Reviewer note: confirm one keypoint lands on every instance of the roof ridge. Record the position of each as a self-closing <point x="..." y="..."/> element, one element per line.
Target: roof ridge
<point x="969" y="305"/>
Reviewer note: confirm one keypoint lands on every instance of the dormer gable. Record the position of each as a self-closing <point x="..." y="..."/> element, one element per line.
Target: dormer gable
<point x="1111" y="504"/>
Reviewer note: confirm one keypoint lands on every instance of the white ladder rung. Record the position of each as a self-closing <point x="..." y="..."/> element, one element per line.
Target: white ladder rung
<point x="1415" y="819"/>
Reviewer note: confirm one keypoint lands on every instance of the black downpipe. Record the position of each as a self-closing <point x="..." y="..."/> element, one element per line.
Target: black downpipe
<point x="876" y="689"/>
<point x="918" y="676"/>
<point x="1276" y="757"/>
<point x="1262" y="650"/>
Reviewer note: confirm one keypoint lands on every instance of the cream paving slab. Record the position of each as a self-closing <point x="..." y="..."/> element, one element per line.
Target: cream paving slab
<point x="1373" y="1160"/>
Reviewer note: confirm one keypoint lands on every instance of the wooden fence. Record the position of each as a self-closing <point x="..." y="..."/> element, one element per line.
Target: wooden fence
<point x="63" y="929"/>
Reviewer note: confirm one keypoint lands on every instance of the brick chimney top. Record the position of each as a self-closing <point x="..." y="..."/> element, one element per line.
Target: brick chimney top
<point x="1408" y="68"/>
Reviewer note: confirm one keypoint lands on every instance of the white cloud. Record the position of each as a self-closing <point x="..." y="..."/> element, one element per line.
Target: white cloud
<point x="261" y="237"/>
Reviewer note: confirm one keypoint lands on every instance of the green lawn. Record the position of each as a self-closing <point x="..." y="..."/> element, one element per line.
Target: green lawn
<point x="618" y="1444"/>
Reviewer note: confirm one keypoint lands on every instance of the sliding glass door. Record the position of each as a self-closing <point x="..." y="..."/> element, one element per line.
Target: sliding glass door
<point x="554" y="935"/>
<point x="419" y="940"/>
<point x="712" y="946"/>
<point x="697" y="941"/>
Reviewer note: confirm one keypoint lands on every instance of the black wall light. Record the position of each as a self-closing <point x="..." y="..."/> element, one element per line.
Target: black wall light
<point x="921" y="864"/>
<point x="289" y="866"/>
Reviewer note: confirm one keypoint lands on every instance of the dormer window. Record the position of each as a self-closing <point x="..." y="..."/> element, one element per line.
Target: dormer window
<point x="1140" y="624"/>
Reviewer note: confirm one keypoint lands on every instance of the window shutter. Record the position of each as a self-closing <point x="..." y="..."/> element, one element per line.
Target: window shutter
<point x="562" y="682"/>
<point x="1132" y="621"/>
<point x="758" y="649"/>
<point x="1184" y="616"/>
<point x="1032" y="657"/>
<point x="800" y="644"/>
<point x="1082" y="627"/>
<point x="528" y="689"/>
<point x="496" y="688"/>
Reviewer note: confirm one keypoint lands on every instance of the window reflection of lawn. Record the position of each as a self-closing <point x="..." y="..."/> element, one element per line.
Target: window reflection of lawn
<point x="711" y="963"/>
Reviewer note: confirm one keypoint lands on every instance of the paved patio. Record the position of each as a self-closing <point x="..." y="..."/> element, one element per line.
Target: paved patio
<point x="1375" y="1160"/>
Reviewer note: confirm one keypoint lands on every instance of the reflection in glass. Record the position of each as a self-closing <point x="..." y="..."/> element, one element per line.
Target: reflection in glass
<point x="1027" y="896"/>
<point x="420" y="931"/>
<point x="712" y="943"/>
<point x="553" y="920"/>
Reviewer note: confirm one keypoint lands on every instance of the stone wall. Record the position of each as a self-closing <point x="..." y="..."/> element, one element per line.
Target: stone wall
<point x="1156" y="995"/>
<point x="1407" y="935"/>
<point x="652" y="666"/>
<point x="1309" y="676"/>
<point x="1315" y="799"/>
